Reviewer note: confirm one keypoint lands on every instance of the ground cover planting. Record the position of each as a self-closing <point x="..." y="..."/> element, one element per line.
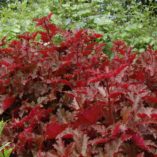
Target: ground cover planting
<point x="62" y="96"/>
<point x="133" y="21"/>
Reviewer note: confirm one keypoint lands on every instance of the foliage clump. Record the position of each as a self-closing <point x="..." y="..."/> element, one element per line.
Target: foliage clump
<point x="66" y="98"/>
<point x="132" y="21"/>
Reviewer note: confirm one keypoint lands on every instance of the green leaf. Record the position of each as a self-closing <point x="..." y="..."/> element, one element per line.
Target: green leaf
<point x="3" y="146"/>
<point x="1" y="154"/>
<point x="16" y="29"/>
<point x="103" y="21"/>
<point x="2" y="124"/>
<point x="7" y="152"/>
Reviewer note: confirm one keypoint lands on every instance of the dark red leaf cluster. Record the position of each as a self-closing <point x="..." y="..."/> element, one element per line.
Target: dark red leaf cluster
<point x="68" y="99"/>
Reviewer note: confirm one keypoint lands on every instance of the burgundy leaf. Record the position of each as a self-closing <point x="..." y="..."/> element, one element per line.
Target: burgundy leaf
<point x="41" y="21"/>
<point x="139" y="141"/>
<point x="98" y="35"/>
<point x="53" y="129"/>
<point x="116" y="130"/>
<point x="7" y="102"/>
<point x="115" y="94"/>
<point x="90" y="115"/>
<point x="151" y="99"/>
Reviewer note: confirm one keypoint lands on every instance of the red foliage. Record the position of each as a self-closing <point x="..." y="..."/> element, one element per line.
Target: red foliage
<point x="7" y="102"/>
<point x="53" y="129"/>
<point x="70" y="99"/>
<point x="89" y="116"/>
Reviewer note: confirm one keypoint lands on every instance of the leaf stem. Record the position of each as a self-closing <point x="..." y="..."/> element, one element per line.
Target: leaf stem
<point x="111" y="120"/>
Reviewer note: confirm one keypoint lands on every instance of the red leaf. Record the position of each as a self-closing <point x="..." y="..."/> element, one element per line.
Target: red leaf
<point x="80" y="83"/>
<point x="139" y="141"/>
<point x="119" y="69"/>
<point x="53" y="29"/>
<point x="5" y="63"/>
<point x="53" y="129"/>
<point x="126" y="137"/>
<point x="90" y="115"/>
<point x="44" y="53"/>
<point x="8" y="102"/>
<point x="100" y="77"/>
<point x="97" y="35"/>
<point x="101" y="141"/>
<point x="67" y="136"/>
<point x="86" y="52"/>
<point x="115" y="94"/>
<point x="107" y="75"/>
<point x="41" y="21"/>
<point x="44" y="36"/>
<point x="119" y="46"/>
<point x="140" y="76"/>
<point x="116" y="130"/>
<point x="142" y="115"/>
<point x="28" y="36"/>
<point x="140" y="155"/>
<point x="151" y="99"/>
<point x="154" y="116"/>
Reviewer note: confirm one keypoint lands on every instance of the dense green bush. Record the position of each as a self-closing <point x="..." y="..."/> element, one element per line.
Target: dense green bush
<point x="17" y="17"/>
<point x="134" y="23"/>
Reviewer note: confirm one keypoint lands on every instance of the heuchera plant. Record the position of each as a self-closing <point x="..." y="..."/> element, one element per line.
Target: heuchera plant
<point x="68" y="99"/>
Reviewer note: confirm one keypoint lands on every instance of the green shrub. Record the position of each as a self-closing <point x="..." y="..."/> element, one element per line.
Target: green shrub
<point x="17" y="17"/>
<point x="133" y="23"/>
